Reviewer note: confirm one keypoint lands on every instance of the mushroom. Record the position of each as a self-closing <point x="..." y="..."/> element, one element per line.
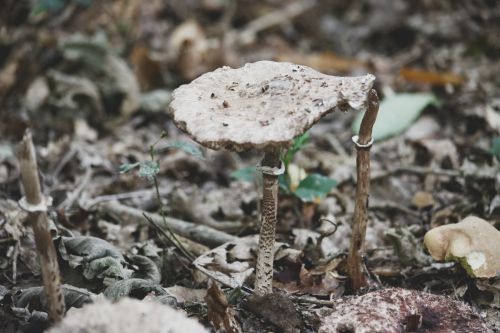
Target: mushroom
<point x="128" y="315"/>
<point x="473" y="242"/>
<point x="263" y="105"/>
<point x="395" y="310"/>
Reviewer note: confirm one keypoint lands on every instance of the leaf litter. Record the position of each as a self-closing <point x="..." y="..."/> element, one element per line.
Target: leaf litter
<point x="96" y="97"/>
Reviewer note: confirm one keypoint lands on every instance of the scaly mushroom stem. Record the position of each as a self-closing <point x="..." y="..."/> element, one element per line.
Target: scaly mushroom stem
<point x="363" y="144"/>
<point x="264" y="268"/>
<point x="36" y="205"/>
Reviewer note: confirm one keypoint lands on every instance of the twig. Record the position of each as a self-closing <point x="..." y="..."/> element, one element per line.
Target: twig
<point x="387" y="205"/>
<point x="197" y="214"/>
<point x="419" y="171"/>
<point x="363" y="144"/>
<point x="198" y="233"/>
<point x="122" y="196"/>
<point x="170" y="236"/>
<point x="277" y="17"/>
<point x="64" y="160"/>
<point x="36" y="205"/>
<point x="311" y="300"/>
<point x="335" y="143"/>
<point x="413" y="170"/>
<point x="74" y="195"/>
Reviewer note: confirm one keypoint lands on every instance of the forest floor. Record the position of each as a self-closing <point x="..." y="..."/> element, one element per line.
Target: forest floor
<point x="93" y="80"/>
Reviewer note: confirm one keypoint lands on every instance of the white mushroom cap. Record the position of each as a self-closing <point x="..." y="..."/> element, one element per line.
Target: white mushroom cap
<point x="262" y="105"/>
<point x="127" y="316"/>
<point x="473" y="242"/>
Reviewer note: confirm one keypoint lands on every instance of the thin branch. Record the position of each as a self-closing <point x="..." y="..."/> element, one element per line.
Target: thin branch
<point x="36" y="205"/>
<point x="171" y="237"/>
<point x="354" y="259"/>
<point x="198" y="233"/>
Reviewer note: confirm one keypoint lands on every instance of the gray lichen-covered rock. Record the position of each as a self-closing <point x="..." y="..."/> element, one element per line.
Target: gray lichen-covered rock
<point x="127" y="316"/>
<point x="262" y="105"/>
<point x="396" y="310"/>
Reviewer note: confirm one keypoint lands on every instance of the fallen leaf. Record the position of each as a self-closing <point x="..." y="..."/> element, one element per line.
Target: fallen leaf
<point x="430" y="77"/>
<point x="396" y="114"/>
<point x="147" y="69"/>
<point x="326" y="62"/>
<point x="137" y="288"/>
<point x="34" y="298"/>
<point x="422" y="199"/>
<point x="314" y="187"/>
<point x="219" y="312"/>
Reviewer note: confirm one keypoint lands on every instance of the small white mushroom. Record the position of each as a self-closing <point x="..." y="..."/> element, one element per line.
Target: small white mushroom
<point x="263" y="105"/>
<point x="473" y="242"/>
<point x="127" y="316"/>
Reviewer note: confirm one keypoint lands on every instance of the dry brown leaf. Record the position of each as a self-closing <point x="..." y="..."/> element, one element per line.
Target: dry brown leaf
<point x="430" y="77"/>
<point x="422" y="199"/>
<point x="219" y="312"/>
<point x="147" y="69"/>
<point x="326" y="62"/>
<point x="192" y="52"/>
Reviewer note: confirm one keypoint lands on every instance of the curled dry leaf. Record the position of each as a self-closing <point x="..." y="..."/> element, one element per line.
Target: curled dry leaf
<point x="473" y="242"/>
<point x="422" y="199"/>
<point x="193" y="53"/>
<point x="219" y="312"/>
<point x="232" y="263"/>
<point x="397" y="310"/>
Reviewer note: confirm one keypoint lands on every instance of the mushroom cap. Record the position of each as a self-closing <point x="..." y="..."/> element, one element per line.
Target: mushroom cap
<point x="126" y="316"/>
<point x="387" y="310"/>
<point x="263" y="105"/>
<point x="473" y="242"/>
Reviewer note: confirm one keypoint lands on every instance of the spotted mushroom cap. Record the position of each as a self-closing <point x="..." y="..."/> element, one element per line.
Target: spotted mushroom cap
<point x="263" y="105"/>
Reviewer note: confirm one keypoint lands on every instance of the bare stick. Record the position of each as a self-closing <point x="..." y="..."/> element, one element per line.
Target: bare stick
<point x="198" y="233"/>
<point x="363" y="144"/>
<point x="274" y="18"/>
<point x="36" y="204"/>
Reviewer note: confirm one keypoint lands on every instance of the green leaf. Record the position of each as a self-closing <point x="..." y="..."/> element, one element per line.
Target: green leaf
<point x="284" y="183"/>
<point x="149" y="170"/>
<point x="495" y="147"/>
<point x="124" y="168"/>
<point x="314" y="186"/>
<point x="297" y="145"/>
<point x="188" y="148"/>
<point x="247" y="174"/>
<point x="397" y="113"/>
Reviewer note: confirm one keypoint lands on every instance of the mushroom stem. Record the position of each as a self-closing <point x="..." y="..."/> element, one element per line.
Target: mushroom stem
<point x="36" y="205"/>
<point x="363" y="144"/>
<point x="264" y="268"/>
